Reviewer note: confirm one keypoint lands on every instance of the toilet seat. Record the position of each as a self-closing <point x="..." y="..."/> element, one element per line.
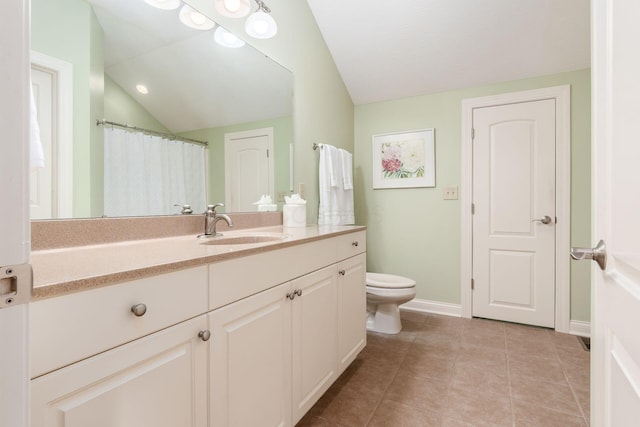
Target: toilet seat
<point x="399" y="293"/>
<point x="388" y="281"/>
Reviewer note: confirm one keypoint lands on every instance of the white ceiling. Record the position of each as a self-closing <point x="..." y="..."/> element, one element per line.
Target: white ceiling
<point x="389" y="49"/>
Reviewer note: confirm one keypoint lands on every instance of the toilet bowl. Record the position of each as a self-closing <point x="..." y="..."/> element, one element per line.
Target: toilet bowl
<point x="385" y="293"/>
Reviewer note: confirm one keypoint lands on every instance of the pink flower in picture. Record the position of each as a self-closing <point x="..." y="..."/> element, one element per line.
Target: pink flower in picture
<point x="391" y="165"/>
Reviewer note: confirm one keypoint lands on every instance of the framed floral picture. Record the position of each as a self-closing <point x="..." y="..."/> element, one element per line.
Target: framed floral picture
<point x="404" y="160"/>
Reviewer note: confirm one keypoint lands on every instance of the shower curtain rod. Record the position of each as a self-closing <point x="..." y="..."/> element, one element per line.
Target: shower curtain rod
<point x="152" y="132"/>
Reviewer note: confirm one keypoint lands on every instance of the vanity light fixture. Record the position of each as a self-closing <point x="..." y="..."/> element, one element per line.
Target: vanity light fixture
<point x="233" y="8"/>
<point x="227" y="39"/>
<point x="261" y="24"/>
<point x="194" y="19"/>
<point x="142" y="89"/>
<point x="164" y="4"/>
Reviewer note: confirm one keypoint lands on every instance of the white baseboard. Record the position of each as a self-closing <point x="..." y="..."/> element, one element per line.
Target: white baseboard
<point x="434" y="307"/>
<point x="580" y="328"/>
<point x="576" y="327"/>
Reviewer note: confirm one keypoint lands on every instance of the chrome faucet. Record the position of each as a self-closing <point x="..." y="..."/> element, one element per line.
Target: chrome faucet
<point x="211" y="218"/>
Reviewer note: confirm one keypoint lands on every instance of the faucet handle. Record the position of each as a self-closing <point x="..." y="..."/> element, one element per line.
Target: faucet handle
<point x="212" y="208"/>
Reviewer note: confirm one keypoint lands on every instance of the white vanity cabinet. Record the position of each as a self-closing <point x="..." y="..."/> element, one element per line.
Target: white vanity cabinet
<point x="254" y="340"/>
<point x="159" y="380"/>
<point x="250" y="382"/>
<point x="275" y="352"/>
<point x="352" y="302"/>
<point x="96" y="362"/>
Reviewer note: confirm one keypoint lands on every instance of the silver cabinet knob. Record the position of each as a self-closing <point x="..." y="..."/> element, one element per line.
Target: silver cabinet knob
<point x="292" y="295"/>
<point x="597" y="254"/>
<point x="139" y="309"/>
<point x="204" y="335"/>
<point x="546" y="220"/>
<point x="355" y="244"/>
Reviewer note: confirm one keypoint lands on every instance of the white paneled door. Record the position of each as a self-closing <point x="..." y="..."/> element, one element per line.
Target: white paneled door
<point x="248" y="168"/>
<point x="514" y="212"/>
<point x="615" y="367"/>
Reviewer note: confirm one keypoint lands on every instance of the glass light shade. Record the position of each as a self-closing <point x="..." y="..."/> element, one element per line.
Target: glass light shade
<point x="142" y="89"/>
<point x="227" y="39"/>
<point x="194" y="19"/>
<point x="233" y="8"/>
<point x="261" y="25"/>
<point x="164" y="4"/>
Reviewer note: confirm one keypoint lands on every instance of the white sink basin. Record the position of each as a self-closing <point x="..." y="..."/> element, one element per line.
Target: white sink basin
<point x="245" y="239"/>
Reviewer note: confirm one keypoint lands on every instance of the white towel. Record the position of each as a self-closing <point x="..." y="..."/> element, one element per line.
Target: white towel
<point x="346" y="160"/>
<point x="335" y="174"/>
<point x="36" y="153"/>
<point x="336" y="203"/>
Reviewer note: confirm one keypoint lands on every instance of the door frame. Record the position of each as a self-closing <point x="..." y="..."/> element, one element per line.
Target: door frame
<point x="254" y="133"/>
<point x="562" y="97"/>
<point x="63" y="122"/>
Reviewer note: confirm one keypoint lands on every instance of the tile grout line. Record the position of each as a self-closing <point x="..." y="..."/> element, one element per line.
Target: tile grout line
<point x="566" y="377"/>
<point x="506" y="356"/>
<point x="450" y="382"/>
<point x="386" y="390"/>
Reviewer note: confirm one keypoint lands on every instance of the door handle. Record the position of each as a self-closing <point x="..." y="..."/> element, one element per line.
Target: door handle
<point x="598" y="254"/>
<point x="545" y="220"/>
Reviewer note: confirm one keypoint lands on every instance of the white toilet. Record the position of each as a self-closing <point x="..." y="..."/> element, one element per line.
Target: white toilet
<point x="385" y="293"/>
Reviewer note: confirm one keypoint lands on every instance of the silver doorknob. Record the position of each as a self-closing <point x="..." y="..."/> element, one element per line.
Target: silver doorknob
<point x="545" y="220"/>
<point x="598" y="254"/>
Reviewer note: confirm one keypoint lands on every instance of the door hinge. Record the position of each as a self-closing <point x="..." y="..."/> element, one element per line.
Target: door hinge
<point x="473" y="208"/>
<point x="473" y="284"/>
<point x="16" y="285"/>
<point x="473" y="133"/>
<point x="267" y="153"/>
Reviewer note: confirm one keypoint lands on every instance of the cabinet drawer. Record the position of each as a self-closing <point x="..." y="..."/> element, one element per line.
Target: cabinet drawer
<point x="352" y="244"/>
<point x="72" y="327"/>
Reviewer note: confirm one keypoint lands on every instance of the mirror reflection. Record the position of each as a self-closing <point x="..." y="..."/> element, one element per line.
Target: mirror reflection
<point x="130" y="63"/>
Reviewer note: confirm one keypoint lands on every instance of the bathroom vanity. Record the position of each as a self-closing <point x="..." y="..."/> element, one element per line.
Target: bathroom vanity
<point x="196" y="334"/>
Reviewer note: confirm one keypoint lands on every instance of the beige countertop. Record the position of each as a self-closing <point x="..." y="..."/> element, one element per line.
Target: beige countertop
<point x="72" y="269"/>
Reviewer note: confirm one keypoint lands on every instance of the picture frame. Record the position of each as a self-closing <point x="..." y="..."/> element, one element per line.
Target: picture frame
<point x="404" y="159"/>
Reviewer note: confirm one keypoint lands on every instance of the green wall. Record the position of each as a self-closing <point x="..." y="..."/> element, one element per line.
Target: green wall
<point x="414" y="232"/>
<point x="282" y="138"/>
<point x="68" y="30"/>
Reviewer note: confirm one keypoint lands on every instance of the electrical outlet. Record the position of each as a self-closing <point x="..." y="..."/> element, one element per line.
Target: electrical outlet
<point x="301" y="190"/>
<point x="450" y="192"/>
<point x="280" y="197"/>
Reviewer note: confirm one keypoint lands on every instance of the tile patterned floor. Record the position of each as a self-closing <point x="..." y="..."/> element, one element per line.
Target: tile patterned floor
<point x="452" y="372"/>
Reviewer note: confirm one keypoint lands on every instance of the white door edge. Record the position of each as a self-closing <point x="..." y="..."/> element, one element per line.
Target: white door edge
<point x="15" y="234"/>
<point x="562" y="96"/>
<point x="254" y="133"/>
<point x="64" y="129"/>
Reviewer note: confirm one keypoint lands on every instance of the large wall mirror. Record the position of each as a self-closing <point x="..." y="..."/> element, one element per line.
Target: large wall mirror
<point x="88" y="56"/>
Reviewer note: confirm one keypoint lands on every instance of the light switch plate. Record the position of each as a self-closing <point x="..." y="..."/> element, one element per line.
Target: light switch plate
<point x="450" y="192"/>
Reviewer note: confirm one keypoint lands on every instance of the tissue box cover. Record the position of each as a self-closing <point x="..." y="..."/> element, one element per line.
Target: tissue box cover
<point x="294" y="215"/>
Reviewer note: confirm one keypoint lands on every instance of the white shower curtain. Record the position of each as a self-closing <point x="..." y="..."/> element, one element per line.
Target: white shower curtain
<point x="148" y="175"/>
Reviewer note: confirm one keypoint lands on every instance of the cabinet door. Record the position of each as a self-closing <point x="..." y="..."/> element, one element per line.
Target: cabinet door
<point x="352" y="310"/>
<point x="159" y="380"/>
<point x="314" y="326"/>
<point x="250" y="366"/>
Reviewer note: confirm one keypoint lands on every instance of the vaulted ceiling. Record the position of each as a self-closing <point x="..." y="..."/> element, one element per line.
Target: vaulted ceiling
<point x="393" y="49"/>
